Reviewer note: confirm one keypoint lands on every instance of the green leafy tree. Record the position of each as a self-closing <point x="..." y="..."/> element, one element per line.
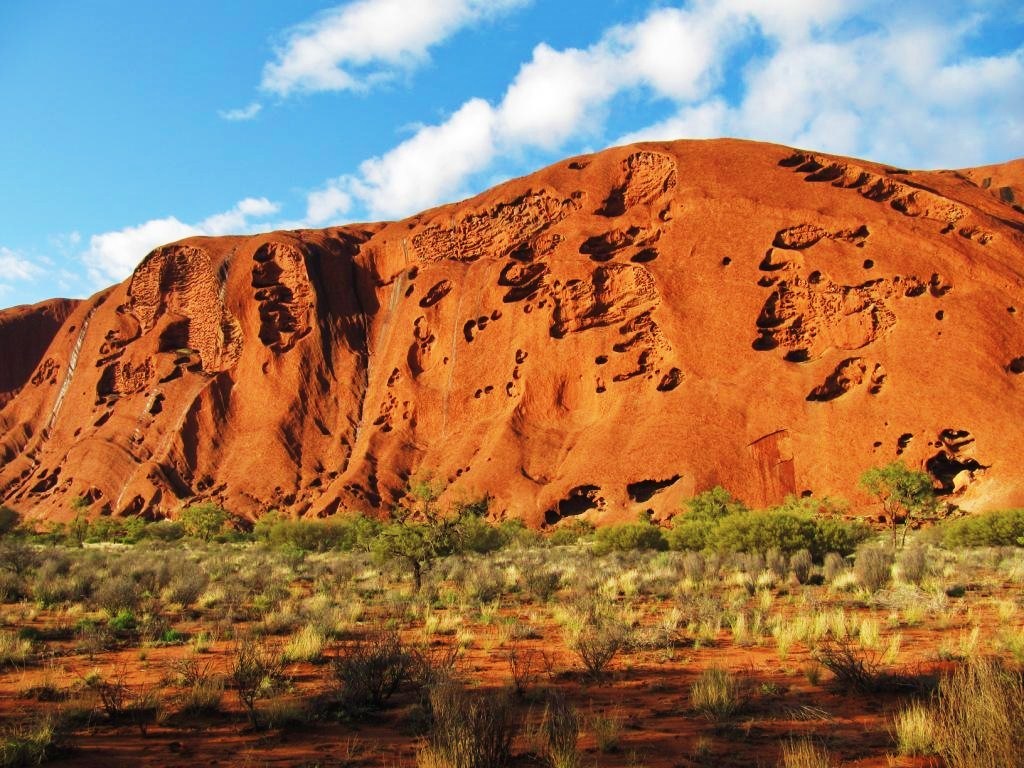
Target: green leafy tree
<point x="421" y="532"/>
<point x="903" y="492"/>
<point x="203" y="521"/>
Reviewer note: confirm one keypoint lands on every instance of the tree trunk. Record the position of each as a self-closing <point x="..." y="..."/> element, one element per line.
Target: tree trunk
<point x="417" y="576"/>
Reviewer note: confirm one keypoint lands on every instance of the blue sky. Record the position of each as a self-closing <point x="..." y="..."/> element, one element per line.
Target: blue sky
<point x="124" y="125"/>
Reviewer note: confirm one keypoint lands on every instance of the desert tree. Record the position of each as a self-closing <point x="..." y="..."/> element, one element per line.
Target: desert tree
<point x="903" y="492"/>
<point x="421" y="531"/>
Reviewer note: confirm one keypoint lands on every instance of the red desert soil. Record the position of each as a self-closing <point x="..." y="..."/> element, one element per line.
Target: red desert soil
<point x="613" y="333"/>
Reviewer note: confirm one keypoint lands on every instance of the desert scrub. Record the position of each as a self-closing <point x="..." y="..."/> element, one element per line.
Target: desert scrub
<point x="716" y="694"/>
<point x="372" y="669"/>
<point x="913" y="729"/>
<point x="979" y="712"/>
<point x="201" y="689"/>
<point x="255" y="672"/>
<point x="596" y="638"/>
<point x="913" y="564"/>
<point x="469" y="730"/>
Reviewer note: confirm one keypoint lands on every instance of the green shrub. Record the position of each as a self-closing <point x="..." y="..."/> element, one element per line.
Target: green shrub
<point x="1001" y="528"/>
<point x="571" y="532"/>
<point x="626" y="537"/>
<point x="344" y="532"/>
<point x="203" y="521"/>
<point x="716" y="521"/>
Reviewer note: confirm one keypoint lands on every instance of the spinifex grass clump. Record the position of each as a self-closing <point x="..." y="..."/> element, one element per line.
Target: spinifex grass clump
<point x="716" y="694"/>
<point x="979" y="709"/>
<point x="471" y="730"/>
<point x="561" y="732"/>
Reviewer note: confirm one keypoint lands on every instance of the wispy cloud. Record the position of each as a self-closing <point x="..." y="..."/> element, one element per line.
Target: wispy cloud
<point x="358" y="45"/>
<point x="15" y="268"/>
<point x="112" y="256"/>
<point x="241" y="114"/>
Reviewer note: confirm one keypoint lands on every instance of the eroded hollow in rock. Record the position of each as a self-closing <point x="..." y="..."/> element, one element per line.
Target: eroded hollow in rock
<point x="643" y="490"/>
<point x="580" y="499"/>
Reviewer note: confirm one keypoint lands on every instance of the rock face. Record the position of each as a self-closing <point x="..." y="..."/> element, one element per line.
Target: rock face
<point x="25" y="333"/>
<point x="608" y="335"/>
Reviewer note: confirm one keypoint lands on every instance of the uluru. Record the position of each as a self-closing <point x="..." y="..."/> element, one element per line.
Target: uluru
<point x="609" y="335"/>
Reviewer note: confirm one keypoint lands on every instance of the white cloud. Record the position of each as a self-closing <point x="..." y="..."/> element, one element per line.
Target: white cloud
<point x="16" y="267"/>
<point x="247" y="112"/>
<point x="328" y="205"/>
<point x="112" y="256"/>
<point x="554" y="96"/>
<point x="355" y="46"/>
<point x="430" y="165"/>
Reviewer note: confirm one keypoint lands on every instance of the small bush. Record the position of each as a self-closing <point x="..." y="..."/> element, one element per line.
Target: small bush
<point x="9" y="520"/>
<point x="306" y="645"/>
<point x="541" y="582"/>
<point x="255" y="672"/>
<point x="913" y="564"/>
<point x="872" y="567"/>
<point x="13" y="649"/>
<point x="27" y="744"/>
<point x="801" y="565"/>
<point x="853" y="667"/>
<point x="596" y="641"/>
<point x="202" y="689"/>
<point x="716" y="694"/>
<point x="607" y="728"/>
<point x="834" y="565"/>
<point x="118" y="593"/>
<point x="372" y="670"/>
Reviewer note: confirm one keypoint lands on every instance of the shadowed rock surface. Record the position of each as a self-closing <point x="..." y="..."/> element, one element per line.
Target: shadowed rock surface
<point x="611" y="334"/>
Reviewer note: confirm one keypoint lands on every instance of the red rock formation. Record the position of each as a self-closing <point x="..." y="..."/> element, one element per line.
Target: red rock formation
<point x="25" y="333"/>
<point x="611" y="334"/>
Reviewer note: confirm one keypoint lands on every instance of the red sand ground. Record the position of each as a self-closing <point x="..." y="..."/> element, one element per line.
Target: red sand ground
<point x="613" y="333"/>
